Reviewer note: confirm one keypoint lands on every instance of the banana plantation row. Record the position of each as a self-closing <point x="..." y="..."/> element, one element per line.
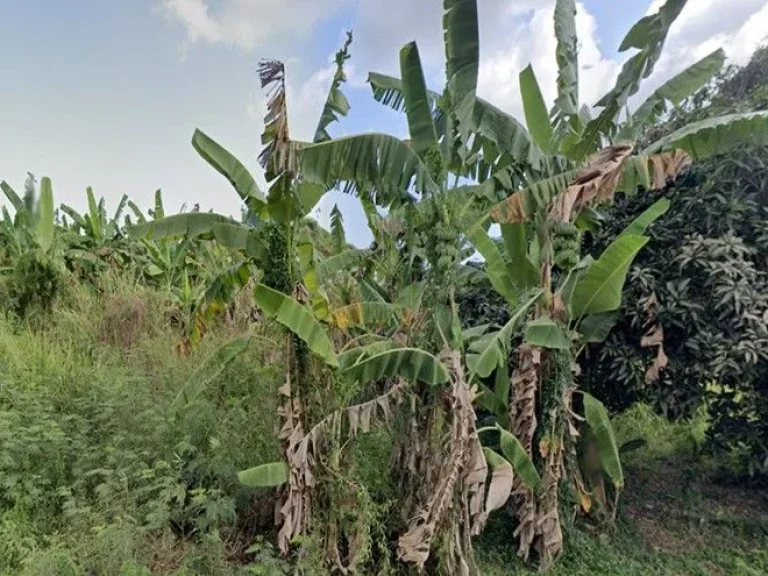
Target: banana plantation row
<point x="482" y="417"/>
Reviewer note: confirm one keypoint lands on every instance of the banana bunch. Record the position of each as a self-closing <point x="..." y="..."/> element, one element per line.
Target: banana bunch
<point x="566" y="245"/>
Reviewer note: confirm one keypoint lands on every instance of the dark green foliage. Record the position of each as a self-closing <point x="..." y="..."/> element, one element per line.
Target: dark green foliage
<point x="32" y="284"/>
<point x="479" y="303"/>
<point x="277" y="271"/>
<point x="704" y="279"/>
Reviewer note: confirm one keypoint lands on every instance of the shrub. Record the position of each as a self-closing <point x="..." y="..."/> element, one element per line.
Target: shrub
<point x="33" y="284"/>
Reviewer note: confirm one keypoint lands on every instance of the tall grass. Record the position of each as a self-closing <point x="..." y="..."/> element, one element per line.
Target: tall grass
<point x="95" y="473"/>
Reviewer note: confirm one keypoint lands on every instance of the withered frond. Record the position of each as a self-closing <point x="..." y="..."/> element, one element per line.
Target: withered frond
<point x="275" y="158"/>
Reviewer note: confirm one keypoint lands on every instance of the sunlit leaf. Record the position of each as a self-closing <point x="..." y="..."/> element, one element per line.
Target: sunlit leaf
<point x="265" y="476"/>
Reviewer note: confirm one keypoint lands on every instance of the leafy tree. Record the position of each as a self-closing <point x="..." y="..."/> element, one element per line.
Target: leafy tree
<point x="700" y="285"/>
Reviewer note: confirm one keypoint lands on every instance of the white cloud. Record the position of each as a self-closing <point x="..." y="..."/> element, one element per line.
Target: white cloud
<point x="248" y="23"/>
<point x="703" y="26"/>
<point x="752" y="34"/>
<point x="513" y="34"/>
<point x="706" y="25"/>
<point x="535" y="43"/>
<point x="194" y="16"/>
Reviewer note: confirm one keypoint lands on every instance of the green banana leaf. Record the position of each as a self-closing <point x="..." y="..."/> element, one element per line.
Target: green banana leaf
<point x="378" y="163"/>
<point x="346" y="260"/>
<point x="495" y="267"/>
<point x="365" y="315"/>
<point x="677" y="89"/>
<point x="298" y="319"/>
<point x="462" y="55"/>
<point x="640" y="224"/>
<point x="231" y="168"/>
<point x="336" y="103"/>
<point x="389" y="91"/>
<point x="496" y="349"/>
<point x="522" y="464"/>
<point x="45" y="219"/>
<point x="190" y="225"/>
<point x="421" y="126"/>
<point x="599" y="422"/>
<point x="208" y="372"/>
<point x="546" y="333"/>
<point x="596" y="327"/>
<point x="716" y="135"/>
<point x="536" y="114"/>
<point x="567" y="58"/>
<point x="411" y="364"/>
<point x="265" y="476"/>
<point x="599" y="288"/>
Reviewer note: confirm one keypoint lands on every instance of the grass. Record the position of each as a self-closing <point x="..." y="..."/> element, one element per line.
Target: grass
<point x="98" y="478"/>
<point x="95" y="474"/>
<point x="676" y="519"/>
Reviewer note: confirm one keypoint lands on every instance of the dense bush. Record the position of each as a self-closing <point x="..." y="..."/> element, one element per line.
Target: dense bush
<point x="704" y="279"/>
<point x="33" y="284"/>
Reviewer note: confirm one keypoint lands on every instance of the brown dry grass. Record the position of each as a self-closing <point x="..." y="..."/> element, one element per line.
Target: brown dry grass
<point x="124" y="321"/>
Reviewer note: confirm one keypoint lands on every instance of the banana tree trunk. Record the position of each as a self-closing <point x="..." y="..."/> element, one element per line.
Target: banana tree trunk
<point x="444" y="485"/>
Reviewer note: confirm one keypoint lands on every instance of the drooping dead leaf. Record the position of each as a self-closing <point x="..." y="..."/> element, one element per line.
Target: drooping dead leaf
<point x="510" y="211"/>
<point x="654" y="338"/>
<point x="183" y="347"/>
<point x="548" y="521"/>
<point x="596" y="183"/>
<point x="659" y="363"/>
<point x="380" y="410"/>
<point x="279" y="153"/>
<point x="502" y="479"/>
<point x="559" y="309"/>
<point x="455" y="493"/>
<point x="301" y="452"/>
<point x="295" y="509"/>
<point x="666" y="166"/>
<point x="585" y="501"/>
<point x="543" y="447"/>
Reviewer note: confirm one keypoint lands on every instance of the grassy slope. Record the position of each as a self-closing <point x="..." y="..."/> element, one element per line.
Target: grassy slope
<point x="676" y="519"/>
<point x="94" y="473"/>
<point x="673" y="523"/>
<point x="96" y="478"/>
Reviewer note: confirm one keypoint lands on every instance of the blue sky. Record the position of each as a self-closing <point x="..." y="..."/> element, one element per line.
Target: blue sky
<point x="107" y="94"/>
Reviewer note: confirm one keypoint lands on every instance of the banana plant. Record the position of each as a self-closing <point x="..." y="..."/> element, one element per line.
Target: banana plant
<point x="96" y="233"/>
<point x="541" y="227"/>
<point x="33" y="224"/>
<point x="400" y="370"/>
<point x="96" y="225"/>
<point x="559" y="301"/>
<point x="414" y="180"/>
<point x="35" y="248"/>
<point x="456" y="132"/>
<point x="273" y="230"/>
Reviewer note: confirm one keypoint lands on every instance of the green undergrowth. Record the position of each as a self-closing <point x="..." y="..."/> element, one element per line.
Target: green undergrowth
<point x="96" y="475"/>
<point x="677" y="516"/>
